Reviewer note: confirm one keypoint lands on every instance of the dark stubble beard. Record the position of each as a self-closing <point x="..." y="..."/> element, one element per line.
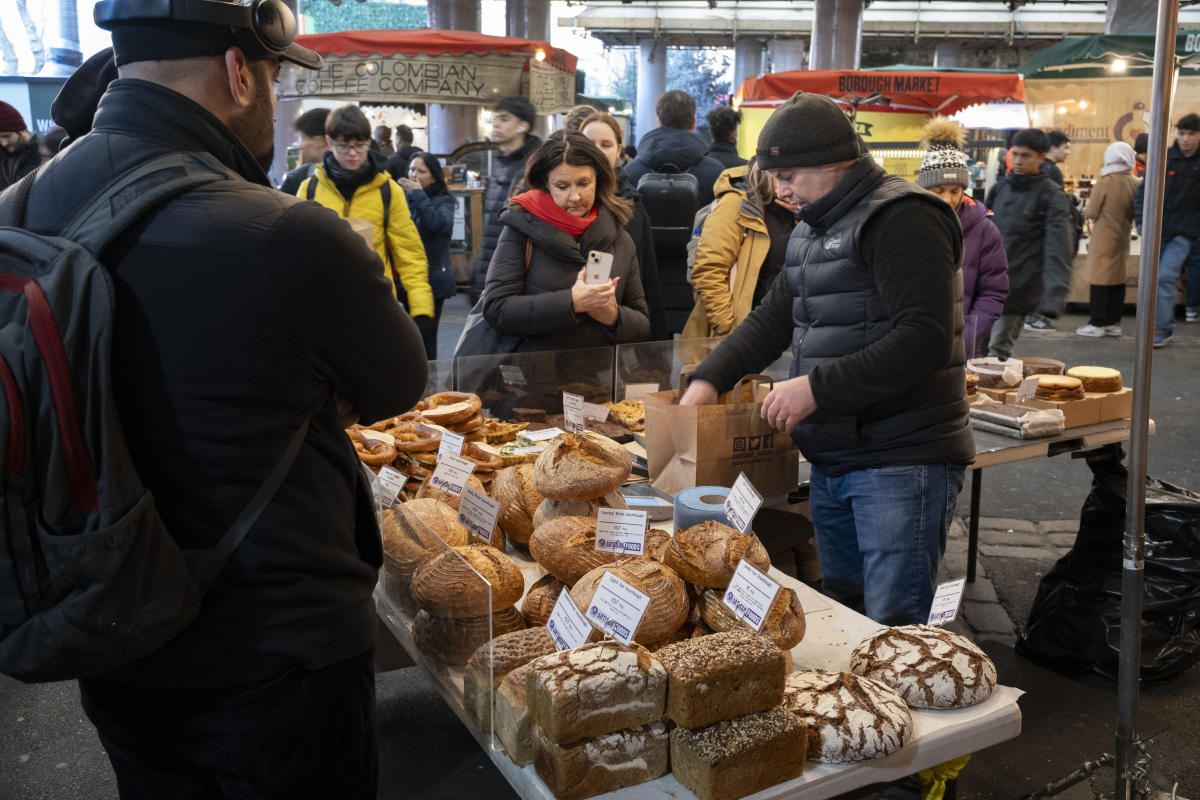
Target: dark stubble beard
<point x="255" y="126"/>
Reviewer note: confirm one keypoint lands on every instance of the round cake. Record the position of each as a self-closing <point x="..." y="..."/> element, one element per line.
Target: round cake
<point x="849" y="718"/>
<point x="1097" y="379"/>
<point x="1059" y="387"/>
<point x="929" y="667"/>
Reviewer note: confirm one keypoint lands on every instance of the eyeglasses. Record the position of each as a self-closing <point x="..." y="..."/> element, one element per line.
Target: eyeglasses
<point x="351" y="147"/>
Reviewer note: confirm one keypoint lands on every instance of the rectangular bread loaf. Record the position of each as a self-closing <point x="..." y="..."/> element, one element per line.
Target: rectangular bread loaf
<point x="722" y="676"/>
<point x="740" y="756"/>
<point x="601" y="764"/>
<point x="595" y="689"/>
<point x="488" y="666"/>
<point x="514" y="726"/>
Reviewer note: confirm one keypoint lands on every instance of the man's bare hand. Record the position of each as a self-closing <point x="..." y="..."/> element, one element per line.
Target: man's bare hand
<point x="788" y="403"/>
<point x="699" y="393"/>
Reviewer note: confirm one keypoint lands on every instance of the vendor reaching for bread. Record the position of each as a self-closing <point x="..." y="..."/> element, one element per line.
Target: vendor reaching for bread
<point x="870" y="300"/>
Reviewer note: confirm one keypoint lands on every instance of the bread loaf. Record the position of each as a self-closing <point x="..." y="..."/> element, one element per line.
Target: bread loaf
<point x="408" y="538"/>
<point x="1097" y="379"/>
<point x="540" y="599"/>
<point x="581" y="466"/>
<point x="601" y="764"/>
<point x="552" y="509"/>
<point x="514" y="726"/>
<point x="707" y="554"/>
<point x="566" y="547"/>
<point x="448" y="584"/>
<point x="658" y="542"/>
<point x="784" y="623"/>
<point x="453" y="640"/>
<point x="489" y="664"/>
<point x="595" y="689"/>
<point x="849" y="718"/>
<point x="519" y="499"/>
<point x="721" y="676"/>
<point x="668" y="607"/>
<point x="741" y="756"/>
<point x="929" y="667"/>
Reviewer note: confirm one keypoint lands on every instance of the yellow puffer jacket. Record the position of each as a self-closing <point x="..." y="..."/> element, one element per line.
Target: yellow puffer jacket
<point x="731" y="250"/>
<point x="403" y="242"/>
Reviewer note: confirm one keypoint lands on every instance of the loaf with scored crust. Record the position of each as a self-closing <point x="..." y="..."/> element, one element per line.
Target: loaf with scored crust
<point x="740" y="756"/>
<point x="581" y="466"/>
<point x="603" y="763"/>
<point x="707" y="554"/>
<point x="849" y="718"/>
<point x="784" y="623"/>
<point x="453" y="640"/>
<point x="930" y="667"/>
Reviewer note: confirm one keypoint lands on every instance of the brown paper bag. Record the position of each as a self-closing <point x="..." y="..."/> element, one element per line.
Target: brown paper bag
<point x="690" y="446"/>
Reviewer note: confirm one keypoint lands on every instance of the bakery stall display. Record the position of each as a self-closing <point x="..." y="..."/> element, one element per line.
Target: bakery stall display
<point x="492" y="662"/>
<point x="849" y="718"/>
<point x="1059" y="388"/>
<point x="929" y="667"/>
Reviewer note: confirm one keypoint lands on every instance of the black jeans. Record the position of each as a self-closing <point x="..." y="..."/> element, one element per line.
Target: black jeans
<point x="1105" y="304"/>
<point x="298" y="735"/>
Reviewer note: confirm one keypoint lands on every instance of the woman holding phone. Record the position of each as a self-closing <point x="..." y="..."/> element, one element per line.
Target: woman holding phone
<point x="538" y="285"/>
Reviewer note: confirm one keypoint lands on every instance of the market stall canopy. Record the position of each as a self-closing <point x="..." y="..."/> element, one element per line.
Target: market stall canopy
<point x="1129" y="55"/>
<point x="433" y="66"/>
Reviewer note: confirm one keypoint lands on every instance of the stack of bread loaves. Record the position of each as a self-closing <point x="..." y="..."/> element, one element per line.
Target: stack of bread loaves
<point x="733" y="737"/>
<point x="576" y="474"/>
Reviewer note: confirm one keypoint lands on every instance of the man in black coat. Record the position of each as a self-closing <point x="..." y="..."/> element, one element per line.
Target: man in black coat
<point x="239" y="310"/>
<point x="20" y="151"/>
<point x="311" y="127"/>
<point x="397" y="163"/>
<point x="723" y="125"/>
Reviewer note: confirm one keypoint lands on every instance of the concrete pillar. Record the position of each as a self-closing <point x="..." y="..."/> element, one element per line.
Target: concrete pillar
<point x="527" y="19"/>
<point x="747" y="59"/>
<point x="947" y="54"/>
<point x="452" y="125"/>
<point x="785" y="55"/>
<point x="652" y="83"/>
<point x="836" y="34"/>
<point x="1130" y="16"/>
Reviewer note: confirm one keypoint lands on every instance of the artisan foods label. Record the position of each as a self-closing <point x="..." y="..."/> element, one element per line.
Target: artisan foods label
<point x="573" y="412"/>
<point x="477" y="513"/>
<point x="543" y="435"/>
<point x="391" y="483"/>
<point x="452" y="444"/>
<point x="742" y="503"/>
<point x="568" y="627"/>
<point x="750" y="594"/>
<point x="946" y="601"/>
<point x="451" y="474"/>
<point x="620" y="530"/>
<point x="617" y="608"/>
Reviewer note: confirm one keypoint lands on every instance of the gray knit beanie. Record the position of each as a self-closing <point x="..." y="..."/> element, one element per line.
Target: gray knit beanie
<point x="808" y="130"/>
<point x="945" y="162"/>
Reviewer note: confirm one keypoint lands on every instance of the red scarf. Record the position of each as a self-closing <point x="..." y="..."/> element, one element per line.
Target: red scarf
<point x="542" y="206"/>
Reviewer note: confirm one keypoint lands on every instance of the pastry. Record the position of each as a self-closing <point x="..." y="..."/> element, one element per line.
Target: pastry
<point x="519" y="499"/>
<point x="741" y="756"/>
<point x="930" y="667"/>
<point x="1097" y="379"/>
<point x="374" y="449"/>
<point x="498" y="432"/>
<point x="539" y="601"/>
<point x="707" y="554"/>
<point x="669" y="603"/>
<point x="630" y="413"/>
<point x="849" y="718"/>
<point x="447" y="408"/>
<point x="601" y="764"/>
<point x="722" y="676"/>
<point x="491" y="661"/>
<point x="581" y="466"/>
<point x="1059" y="388"/>
<point x="784" y="624"/>
<point x="449" y="584"/>
<point x="454" y="641"/>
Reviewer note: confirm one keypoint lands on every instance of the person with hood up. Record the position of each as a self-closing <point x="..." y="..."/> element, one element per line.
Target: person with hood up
<point x="351" y="180"/>
<point x="1110" y="208"/>
<point x="740" y="253"/>
<point x="604" y="131"/>
<point x="432" y="208"/>
<point x="984" y="265"/>
<point x="535" y="284"/>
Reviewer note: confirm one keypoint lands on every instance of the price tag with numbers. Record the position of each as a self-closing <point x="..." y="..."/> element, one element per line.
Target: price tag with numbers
<point x="573" y="412"/>
<point x="477" y="513"/>
<point x="750" y="594"/>
<point x="621" y="531"/>
<point x="568" y="627"/>
<point x="452" y="444"/>
<point x="742" y="503"/>
<point x="617" y="608"/>
<point x="391" y="483"/>
<point x="451" y="474"/>
<point x="945" y="601"/>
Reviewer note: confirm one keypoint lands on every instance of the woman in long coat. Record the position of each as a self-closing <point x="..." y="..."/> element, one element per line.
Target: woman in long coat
<point x="1110" y="209"/>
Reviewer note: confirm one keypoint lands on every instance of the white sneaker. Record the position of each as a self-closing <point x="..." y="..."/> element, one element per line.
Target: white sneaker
<point x="1093" y="331"/>
<point x="1191" y="314"/>
<point x="1112" y="330"/>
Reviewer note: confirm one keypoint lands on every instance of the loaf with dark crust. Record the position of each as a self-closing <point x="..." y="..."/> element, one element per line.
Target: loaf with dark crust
<point x="784" y="624"/>
<point x="740" y="756"/>
<point x="601" y="764"/>
<point x="513" y="488"/>
<point x="669" y="605"/>
<point x="708" y="554"/>
<point x="539" y="601"/>
<point x="722" y="676"/>
<point x="581" y="466"/>
<point x="449" y="585"/>
<point x="929" y="667"/>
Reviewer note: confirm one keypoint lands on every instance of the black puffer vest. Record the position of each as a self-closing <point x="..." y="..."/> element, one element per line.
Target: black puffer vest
<point x="837" y="310"/>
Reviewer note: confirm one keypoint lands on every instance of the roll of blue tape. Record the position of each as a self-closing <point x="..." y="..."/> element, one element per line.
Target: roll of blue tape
<point x="700" y="504"/>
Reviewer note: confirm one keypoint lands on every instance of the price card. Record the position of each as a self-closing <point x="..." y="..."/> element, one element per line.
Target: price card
<point x="945" y="601"/>
<point x="742" y="503"/>
<point x="595" y="411"/>
<point x="573" y="412"/>
<point x="391" y="483"/>
<point x="620" y="530"/>
<point x="451" y="474"/>
<point x="477" y="513"/>
<point x="544" y="435"/>
<point x="452" y="444"/>
<point x="567" y="626"/>
<point x="617" y="608"/>
<point x="750" y="594"/>
<point x="636" y="391"/>
<point x="512" y="375"/>
<point x="1028" y="390"/>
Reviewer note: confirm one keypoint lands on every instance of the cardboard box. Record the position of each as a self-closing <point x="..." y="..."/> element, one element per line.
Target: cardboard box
<point x="999" y="395"/>
<point x="1075" y="412"/>
<point x="1115" y="405"/>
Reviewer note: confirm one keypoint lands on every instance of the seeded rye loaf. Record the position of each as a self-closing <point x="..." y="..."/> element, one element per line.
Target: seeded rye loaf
<point x="721" y="676"/>
<point x="930" y="667"/>
<point x="514" y="726"/>
<point x="739" y="756"/>
<point x="849" y="718"/>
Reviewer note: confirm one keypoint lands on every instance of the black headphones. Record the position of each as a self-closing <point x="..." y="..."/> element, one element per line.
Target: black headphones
<point x="266" y="26"/>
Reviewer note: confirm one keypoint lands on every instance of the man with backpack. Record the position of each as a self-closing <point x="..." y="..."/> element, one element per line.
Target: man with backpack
<point x="674" y="146"/>
<point x="249" y="329"/>
<point x="311" y="127"/>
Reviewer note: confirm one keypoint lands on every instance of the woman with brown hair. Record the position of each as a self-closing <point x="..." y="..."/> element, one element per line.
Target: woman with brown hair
<point x="536" y="287"/>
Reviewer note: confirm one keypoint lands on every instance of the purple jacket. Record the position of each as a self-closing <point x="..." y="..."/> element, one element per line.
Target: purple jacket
<point x="985" y="275"/>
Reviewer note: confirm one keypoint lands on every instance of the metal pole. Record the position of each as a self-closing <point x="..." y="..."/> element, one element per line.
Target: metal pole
<point x="1132" y="574"/>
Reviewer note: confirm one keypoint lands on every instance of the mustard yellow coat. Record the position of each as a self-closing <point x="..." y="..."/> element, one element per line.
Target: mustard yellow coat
<point x="403" y="241"/>
<point x="732" y="248"/>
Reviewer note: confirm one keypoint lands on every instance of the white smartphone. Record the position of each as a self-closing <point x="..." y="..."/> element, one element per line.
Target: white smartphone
<point x="599" y="267"/>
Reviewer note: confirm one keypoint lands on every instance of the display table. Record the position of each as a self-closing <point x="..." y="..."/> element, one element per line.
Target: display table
<point x="832" y="632"/>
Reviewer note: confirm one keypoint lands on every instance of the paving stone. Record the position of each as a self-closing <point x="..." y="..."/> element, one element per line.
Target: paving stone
<point x="1016" y="525"/>
<point x="958" y="529"/>
<point x="1007" y="551"/>
<point x="1061" y="539"/>
<point x="954" y="565"/>
<point x="987" y="617"/>
<point x="1013" y="539"/>
<point x="956" y="545"/>
<point x="1059" y="526"/>
<point x="981" y="590"/>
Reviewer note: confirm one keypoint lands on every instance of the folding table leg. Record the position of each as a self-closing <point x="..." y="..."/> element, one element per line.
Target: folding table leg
<point x="973" y="524"/>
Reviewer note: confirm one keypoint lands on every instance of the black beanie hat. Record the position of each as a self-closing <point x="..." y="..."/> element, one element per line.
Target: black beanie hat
<point x="808" y="130"/>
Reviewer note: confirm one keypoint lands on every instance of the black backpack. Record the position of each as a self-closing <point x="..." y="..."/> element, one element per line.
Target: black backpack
<point x="90" y="579"/>
<point x="671" y="200"/>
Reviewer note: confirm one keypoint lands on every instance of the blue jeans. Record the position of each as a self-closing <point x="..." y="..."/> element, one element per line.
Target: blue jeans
<point x="1170" y="263"/>
<point x="881" y="534"/>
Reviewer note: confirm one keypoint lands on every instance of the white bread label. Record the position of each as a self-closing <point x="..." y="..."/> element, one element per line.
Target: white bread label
<point x="742" y="503"/>
<point x="391" y="483"/>
<point x="1028" y="390"/>
<point x="750" y="594"/>
<point x="524" y="451"/>
<point x="567" y="626"/>
<point x="620" y="530"/>
<point x="512" y="375"/>
<point x="451" y="474"/>
<point x="544" y="435"/>
<point x="617" y="608"/>
<point x="477" y="513"/>
<point x="573" y="412"/>
<point x="452" y="444"/>
<point x="596" y="412"/>
<point x="945" y="602"/>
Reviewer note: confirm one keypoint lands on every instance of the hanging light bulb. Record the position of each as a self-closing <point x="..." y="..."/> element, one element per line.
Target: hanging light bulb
<point x="1119" y="65"/>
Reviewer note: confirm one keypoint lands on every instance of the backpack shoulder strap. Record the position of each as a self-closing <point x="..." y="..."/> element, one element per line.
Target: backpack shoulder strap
<point x="14" y="200"/>
<point x="310" y="185"/>
<point x="385" y="191"/>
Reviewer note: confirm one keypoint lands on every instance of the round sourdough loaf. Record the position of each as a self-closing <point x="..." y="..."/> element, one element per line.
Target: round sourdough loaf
<point x="454" y="641"/>
<point x="707" y="554"/>
<point x="449" y="584"/>
<point x="540" y="599"/>
<point x="669" y="604"/>
<point x="1097" y="379"/>
<point x="413" y="530"/>
<point x="849" y="718"/>
<point x="446" y="497"/>
<point x="566" y="547"/>
<point x="581" y="466"/>
<point x="930" y="667"/>
<point x="552" y="509"/>
<point x="513" y="488"/>
<point x="784" y="624"/>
